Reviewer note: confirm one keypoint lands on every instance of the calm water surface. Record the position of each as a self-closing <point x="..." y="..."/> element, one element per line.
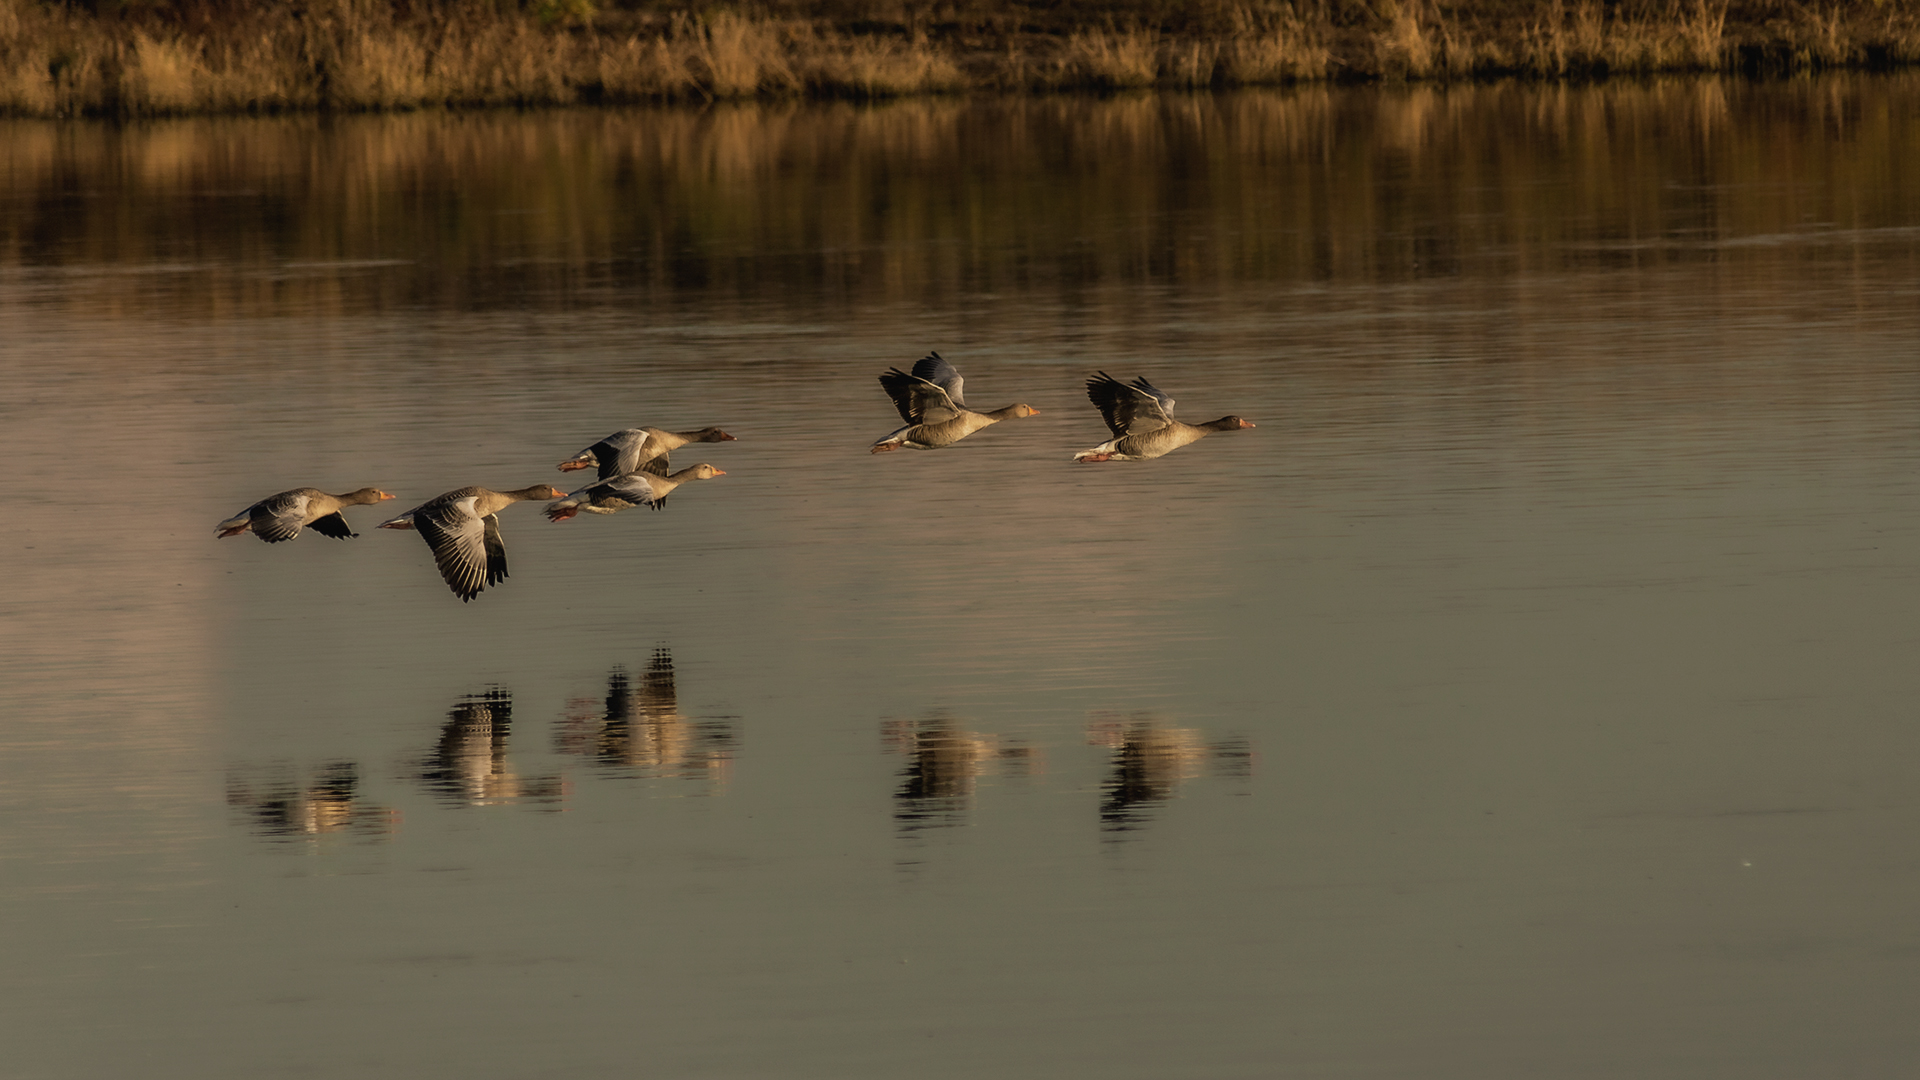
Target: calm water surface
<point x="1530" y="694"/>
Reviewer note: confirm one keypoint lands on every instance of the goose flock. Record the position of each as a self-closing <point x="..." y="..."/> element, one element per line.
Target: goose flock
<point x="462" y="527"/>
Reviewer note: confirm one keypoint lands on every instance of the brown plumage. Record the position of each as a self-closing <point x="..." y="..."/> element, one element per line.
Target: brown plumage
<point x="461" y="529"/>
<point x="930" y="399"/>
<point x="624" y="492"/>
<point x="1141" y="419"/>
<point x="281" y="517"/>
<point x="642" y="449"/>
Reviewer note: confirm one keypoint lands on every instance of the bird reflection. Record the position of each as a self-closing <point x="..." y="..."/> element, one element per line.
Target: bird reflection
<point x="470" y="765"/>
<point x="639" y="727"/>
<point x="323" y="802"/>
<point x="944" y="765"/>
<point x="1150" y="762"/>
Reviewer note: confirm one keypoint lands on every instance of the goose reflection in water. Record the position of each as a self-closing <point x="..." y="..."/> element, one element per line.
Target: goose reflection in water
<point x="944" y="766"/>
<point x="470" y="765"/>
<point x="639" y="727"/>
<point x="287" y="806"/>
<point x="1150" y="762"/>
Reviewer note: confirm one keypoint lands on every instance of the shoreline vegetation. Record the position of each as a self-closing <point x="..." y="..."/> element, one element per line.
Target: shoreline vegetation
<point x="172" y="57"/>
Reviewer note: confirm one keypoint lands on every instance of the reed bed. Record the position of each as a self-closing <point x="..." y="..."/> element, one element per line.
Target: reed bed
<point x="212" y="56"/>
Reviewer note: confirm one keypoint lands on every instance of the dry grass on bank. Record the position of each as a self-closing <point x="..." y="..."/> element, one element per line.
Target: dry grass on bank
<point x="55" y="64"/>
<point x="1560" y="40"/>
<point x="369" y="54"/>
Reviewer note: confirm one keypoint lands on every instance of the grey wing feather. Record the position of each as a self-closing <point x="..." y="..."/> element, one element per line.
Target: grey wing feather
<point x="899" y="386"/>
<point x="919" y="401"/>
<point x="1129" y="410"/>
<point x="633" y="488"/>
<point x="1163" y="402"/>
<point x="934" y="368"/>
<point x="278" y="517"/>
<point x="459" y="546"/>
<point x="655" y="465"/>
<point x="619" y="453"/>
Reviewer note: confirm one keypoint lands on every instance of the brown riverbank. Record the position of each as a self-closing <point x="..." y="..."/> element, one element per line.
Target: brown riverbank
<point x="186" y="56"/>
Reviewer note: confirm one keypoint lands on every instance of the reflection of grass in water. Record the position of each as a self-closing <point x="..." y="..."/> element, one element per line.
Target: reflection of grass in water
<point x="672" y="198"/>
<point x="166" y="57"/>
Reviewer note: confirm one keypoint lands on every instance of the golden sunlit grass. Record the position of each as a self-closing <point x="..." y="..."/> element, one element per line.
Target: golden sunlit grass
<point x="149" y="58"/>
<point x="1110" y="60"/>
<point x="1274" y="49"/>
<point x="870" y="67"/>
<point x="1578" y="38"/>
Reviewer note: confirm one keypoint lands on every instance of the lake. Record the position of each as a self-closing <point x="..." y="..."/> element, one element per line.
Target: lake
<point x="1531" y="693"/>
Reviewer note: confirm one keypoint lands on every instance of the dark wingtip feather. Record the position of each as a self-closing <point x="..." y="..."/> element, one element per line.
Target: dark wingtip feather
<point x="1100" y="382"/>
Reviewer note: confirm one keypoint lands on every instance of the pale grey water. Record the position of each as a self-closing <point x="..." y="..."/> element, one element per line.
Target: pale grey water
<point x="1530" y="694"/>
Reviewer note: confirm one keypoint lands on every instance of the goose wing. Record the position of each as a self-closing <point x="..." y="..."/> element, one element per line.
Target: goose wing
<point x="281" y="517"/>
<point x="934" y="368"/>
<point x="606" y="496"/>
<point x="464" y="546"/>
<point x="921" y="400"/>
<point x="1129" y="409"/>
<point x="334" y="525"/>
<point x="620" y="452"/>
<point x="496" y="551"/>
<point x="633" y="488"/>
<point x="615" y="455"/>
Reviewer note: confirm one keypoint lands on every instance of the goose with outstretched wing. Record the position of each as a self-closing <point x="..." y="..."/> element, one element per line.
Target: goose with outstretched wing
<point x="1140" y="416"/>
<point x="930" y="399"/>
<point x="624" y="492"/>
<point x="464" y="534"/>
<point x="282" y="516"/>
<point x="638" y="449"/>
